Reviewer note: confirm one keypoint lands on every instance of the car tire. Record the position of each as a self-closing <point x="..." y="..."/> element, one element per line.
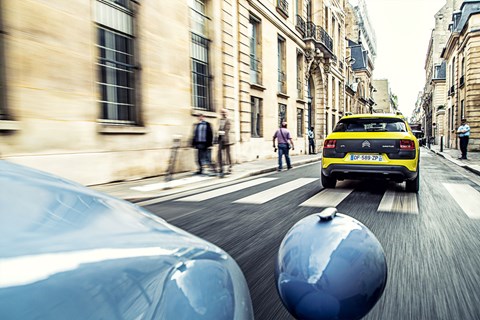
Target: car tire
<point x="328" y="182"/>
<point x="413" y="185"/>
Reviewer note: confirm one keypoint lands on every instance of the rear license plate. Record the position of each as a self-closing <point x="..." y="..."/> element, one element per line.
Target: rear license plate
<point x="366" y="157"/>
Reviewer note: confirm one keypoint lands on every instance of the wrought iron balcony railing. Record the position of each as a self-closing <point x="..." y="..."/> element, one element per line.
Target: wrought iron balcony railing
<point x="311" y="32"/>
<point x="282" y="7"/>
<point x="300" y="25"/>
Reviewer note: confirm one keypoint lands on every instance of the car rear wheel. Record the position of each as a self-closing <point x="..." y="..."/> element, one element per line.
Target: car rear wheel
<point x="413" y="185"/>
<point x="328" y="182"/>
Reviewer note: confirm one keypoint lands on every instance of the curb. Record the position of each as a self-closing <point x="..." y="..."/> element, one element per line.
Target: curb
<point x="472" y="168"/>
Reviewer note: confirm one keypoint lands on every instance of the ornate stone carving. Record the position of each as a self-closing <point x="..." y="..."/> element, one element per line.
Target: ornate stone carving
<point x="314" y="58"/>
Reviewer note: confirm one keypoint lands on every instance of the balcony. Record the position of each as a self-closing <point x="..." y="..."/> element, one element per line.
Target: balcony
<point x="315" y="34"/>
<point x="282" y="8"/>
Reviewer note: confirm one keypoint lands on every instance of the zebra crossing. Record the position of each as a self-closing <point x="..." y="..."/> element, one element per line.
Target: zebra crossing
<point x="394" y="200"/>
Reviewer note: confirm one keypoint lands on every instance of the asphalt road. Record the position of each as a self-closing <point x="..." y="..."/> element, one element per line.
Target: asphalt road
<point x="431" y="240"/>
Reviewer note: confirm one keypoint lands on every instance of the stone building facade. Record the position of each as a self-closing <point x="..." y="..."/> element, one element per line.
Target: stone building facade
<point x="361" y="48"/>
<point x="462" y="54"/>
<point x="100" y="90"/>
<point x="452" y="90"/>
<point x="433" y="99"/>
<point x="384" y="98"/>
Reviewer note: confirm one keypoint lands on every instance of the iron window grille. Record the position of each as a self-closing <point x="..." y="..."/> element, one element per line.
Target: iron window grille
<point x="116" y="76"/>
<point x="201" y="79"/>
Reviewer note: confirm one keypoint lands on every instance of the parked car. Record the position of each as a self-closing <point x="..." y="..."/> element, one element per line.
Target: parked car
<point x="371" y="146"/>
<point x="68" y="252"/>
<point x="420" y="137"/>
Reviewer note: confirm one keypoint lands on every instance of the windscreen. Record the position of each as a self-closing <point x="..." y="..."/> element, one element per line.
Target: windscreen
<point x="370" y="125"/>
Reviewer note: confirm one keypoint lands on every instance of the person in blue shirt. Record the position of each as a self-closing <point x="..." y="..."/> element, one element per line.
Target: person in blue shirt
<point x="464" y="134"/>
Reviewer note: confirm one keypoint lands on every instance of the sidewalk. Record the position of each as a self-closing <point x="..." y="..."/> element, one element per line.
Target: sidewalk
<point x="472" y="164"/>
<point x="136" y="190"/>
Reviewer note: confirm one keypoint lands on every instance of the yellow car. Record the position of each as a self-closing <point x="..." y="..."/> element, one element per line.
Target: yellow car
<point x="371" y="146"/>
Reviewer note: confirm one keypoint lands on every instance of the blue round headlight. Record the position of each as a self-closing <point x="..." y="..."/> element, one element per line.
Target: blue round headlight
<point x="330" y="266"/>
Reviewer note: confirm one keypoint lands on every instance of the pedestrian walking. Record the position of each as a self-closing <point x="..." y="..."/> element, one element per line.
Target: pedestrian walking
<point x="202" y="141"/>
<point x="311" y="141"/>
<point x="285" y="142"/>
<point x="463" y="134"/>
<point x="224" y="143"/>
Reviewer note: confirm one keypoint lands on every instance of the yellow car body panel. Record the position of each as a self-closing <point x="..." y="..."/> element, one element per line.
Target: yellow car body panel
<point x="410" y="164"/>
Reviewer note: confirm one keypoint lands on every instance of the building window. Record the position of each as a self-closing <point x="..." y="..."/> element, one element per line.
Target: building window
<point x="327" y="125"/>
<point x="300" y="122"/>
<point x="201" y="80"/>
<point x="282" y="113"/>
<point x="339" y="45"/>
<point x="334" y="39"/>
<point x="3" y="99"/>
<point x="200" y="73"/>
<point x="462" y="109"/>
<point x="452" y="121"/>
<point x="334" y="94"/>
<point x="300" y="75"/>
<point x="255" y="46"/>
<point x="308" y="10"/>
<point x="452" y="77"/>
<point x="116" y="62"/>
<point x="282" y="76"/>
<point x="326" y="19"/>
<point x="257" y="117"/>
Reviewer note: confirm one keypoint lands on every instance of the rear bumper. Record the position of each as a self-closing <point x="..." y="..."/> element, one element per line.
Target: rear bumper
<point x="360" y="171"/>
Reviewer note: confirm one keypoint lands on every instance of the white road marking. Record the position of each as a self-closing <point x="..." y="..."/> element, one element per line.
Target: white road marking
<point x="327" y="198"/>
<point x="399" y="202"/>
<point x="222" y="191"/>
<point x="467" y="198"/>
<point x="275" y="192"/>
<point x="168" y="184"/>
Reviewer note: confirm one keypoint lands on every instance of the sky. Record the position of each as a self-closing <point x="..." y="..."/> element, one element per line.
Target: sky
<point x="403" y="29"/>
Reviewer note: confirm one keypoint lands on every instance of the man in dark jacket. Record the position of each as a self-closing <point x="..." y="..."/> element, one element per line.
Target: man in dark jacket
<point x="202" y="141"/>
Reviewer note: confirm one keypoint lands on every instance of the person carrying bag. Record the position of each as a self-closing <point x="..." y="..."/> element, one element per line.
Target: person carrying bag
<point x="285" y="142"/>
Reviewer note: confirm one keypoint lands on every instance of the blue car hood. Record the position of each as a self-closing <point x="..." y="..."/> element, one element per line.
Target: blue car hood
<point x="69" y="251"/>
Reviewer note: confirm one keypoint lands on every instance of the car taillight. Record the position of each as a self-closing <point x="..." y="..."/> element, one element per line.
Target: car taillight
<point x="330" y="144"/>
<point x="407" y="145"/>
